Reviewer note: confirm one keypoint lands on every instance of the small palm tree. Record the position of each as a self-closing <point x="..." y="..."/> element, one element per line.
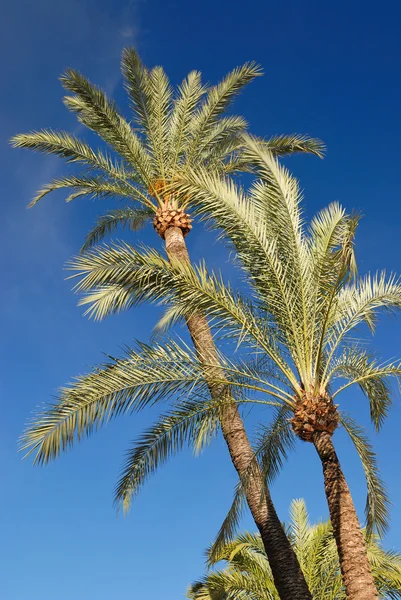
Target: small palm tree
<point x="247" y="573"/>
<point x="309" y="300"/>
<point x="172" y="135"/>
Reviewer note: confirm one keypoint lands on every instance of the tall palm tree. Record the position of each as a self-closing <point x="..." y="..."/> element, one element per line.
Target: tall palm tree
<point x="172" y="134"/>
<point x="309" y="300"/>
<point x="247" y="573"/>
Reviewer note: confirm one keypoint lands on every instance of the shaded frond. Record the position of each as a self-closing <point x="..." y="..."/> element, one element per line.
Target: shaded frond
<point x="377" y="502"/>
<point x="182" y="425"/>
<point x="361" y="368"/>
<point x="125" y="217"/>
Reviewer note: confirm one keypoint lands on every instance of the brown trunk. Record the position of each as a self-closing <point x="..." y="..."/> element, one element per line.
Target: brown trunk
<point x="287" y="574"/>
<point x="355" y="568"/>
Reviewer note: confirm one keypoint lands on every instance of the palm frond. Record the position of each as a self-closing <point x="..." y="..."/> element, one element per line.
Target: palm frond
<point x="217" y="101"/>
<point x="159" y="101"/>
<point x="360" y="302"/>
<point x="100" y="114"/>
<point x="377" y="502"/>
<point x="190" y="93"/>
<point x="283" y="145"/>
<point x="182" y="425"/>
<point x="136" y="80"/>
<point x="360" y="368"/>
<point x="106" y="224"/>
<point x="230" y="524"/>
<point x="145" y="376"/>
<point x="94" y="187"/>
<point x="120" y="276"/>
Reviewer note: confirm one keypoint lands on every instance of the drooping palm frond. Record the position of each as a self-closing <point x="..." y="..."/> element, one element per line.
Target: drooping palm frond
<point x="123" y="217"/>
<point x="359" y="367"/>
<point x="359" y="303"/>
<point x="247" y="574"/>
<point x="194" y="422"/>
<point x="377" y="501"/>
<point x="143" y="377"/>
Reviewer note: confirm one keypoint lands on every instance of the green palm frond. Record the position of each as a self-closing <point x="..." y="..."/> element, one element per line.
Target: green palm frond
<point x="277" y="145"/>
<point x="189" y="94"/>
<point x="94" y="187"/>
<point x="282" y="145"/>
<point x="124" y="217"/>
<point x="145" y="376"/>
<point x="361" y="302"/>
<point x="360" y="368"/>
<point x="136" y="80"/>
<point x="377" y="502"/>
<point x="274" y="442"/>
<point x="230" y="524"/>
<point x="119" y="277"/>
<point x="99" y="114"/>
<point x="160" y="98"/>
<point x="194" y="422"/>
<point x="217" y="100"/>
<point x="246" y="573"/>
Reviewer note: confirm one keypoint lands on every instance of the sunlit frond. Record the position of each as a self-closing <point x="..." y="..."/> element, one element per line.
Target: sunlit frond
<point x="100" y="114"/>
<point x="360" y="302"/>
<point x="145" y="376"/>
<point x="190" y="93"/>
<point x="118" y="277"/>
<point x="136" y="81"/>
<point x="217" y="100"/>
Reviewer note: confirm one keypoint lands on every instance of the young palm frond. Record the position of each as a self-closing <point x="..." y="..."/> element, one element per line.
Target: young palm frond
<point x="247" y="572"/>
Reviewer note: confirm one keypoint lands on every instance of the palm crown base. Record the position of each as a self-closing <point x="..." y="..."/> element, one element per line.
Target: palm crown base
<point x="314" y="415"/>
<point x="171" y="217"/>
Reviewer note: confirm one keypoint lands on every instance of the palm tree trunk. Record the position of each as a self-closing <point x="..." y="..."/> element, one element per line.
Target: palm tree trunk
<point x="287" y="574"/>
<point x="355" y="568"/>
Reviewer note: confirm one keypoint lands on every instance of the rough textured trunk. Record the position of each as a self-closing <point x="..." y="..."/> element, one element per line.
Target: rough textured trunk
<point x="287" y="574"/>
<point x="355" y="568"/>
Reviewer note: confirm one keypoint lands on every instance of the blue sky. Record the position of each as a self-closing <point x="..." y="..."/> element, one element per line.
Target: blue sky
<point x="331" y="70"/>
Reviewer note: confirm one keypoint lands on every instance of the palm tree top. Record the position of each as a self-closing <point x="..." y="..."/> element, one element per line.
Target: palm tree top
<point x="247" y="572"/>
<point x="170" y="133"/>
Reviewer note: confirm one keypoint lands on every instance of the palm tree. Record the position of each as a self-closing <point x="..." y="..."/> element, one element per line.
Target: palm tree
<point x="172" y="135"/>
<point x="309" y="300"/>
<point x="247" y="573"/>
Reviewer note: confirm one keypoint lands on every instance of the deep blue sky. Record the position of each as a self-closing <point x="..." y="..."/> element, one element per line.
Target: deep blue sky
<point x="332" y="69"/>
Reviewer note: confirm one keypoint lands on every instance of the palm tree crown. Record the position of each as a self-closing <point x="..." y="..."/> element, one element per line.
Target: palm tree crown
<point x="247" y="573"/>
<point x="309" y="299"/>
<point x="172" y="132"/>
